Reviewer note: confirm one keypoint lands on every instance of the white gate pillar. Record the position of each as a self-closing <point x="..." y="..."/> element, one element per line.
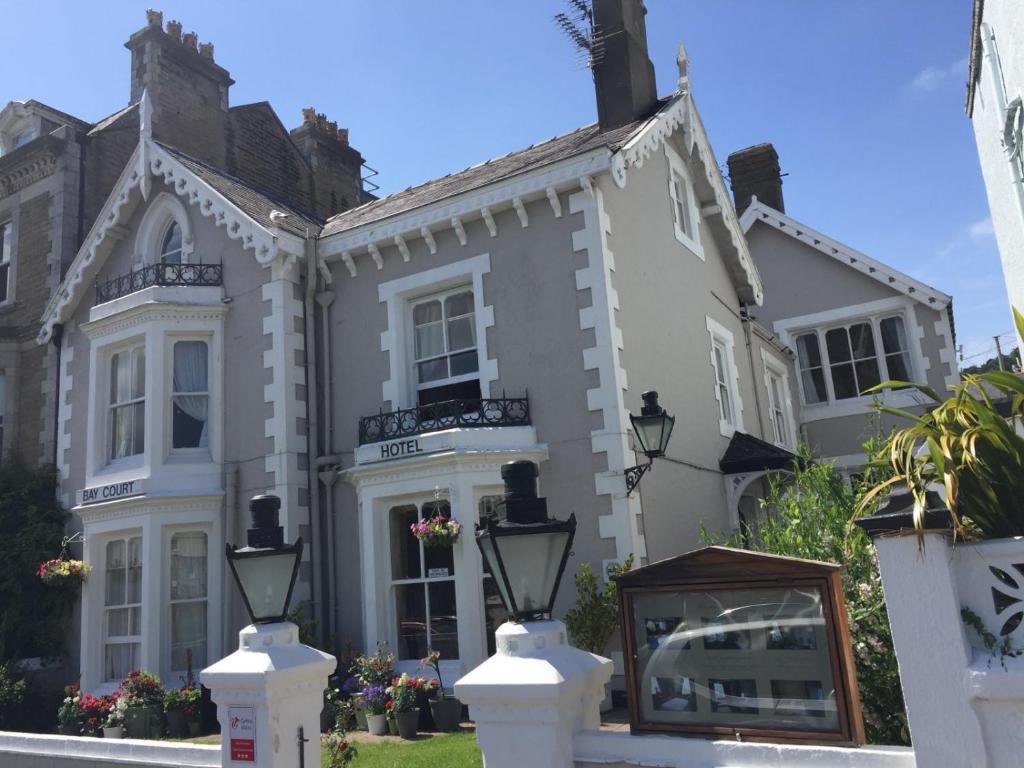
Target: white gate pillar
<point x="264" y="692"/>
<point x="533" y="696"/>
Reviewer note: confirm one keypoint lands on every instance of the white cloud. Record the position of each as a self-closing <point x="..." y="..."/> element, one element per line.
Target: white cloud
<point x="982" y="230"/>
<point x="931" y="78"/>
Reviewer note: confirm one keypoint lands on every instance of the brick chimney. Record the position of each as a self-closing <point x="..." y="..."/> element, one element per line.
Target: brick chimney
<point x="624" y="75"/>
<point x="189" y="91"/>
<point x="337" y="167"/>
<point x="755" y="171"/>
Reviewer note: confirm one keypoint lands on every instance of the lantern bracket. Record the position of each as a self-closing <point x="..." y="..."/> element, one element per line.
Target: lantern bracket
<point x="633" y="475"/>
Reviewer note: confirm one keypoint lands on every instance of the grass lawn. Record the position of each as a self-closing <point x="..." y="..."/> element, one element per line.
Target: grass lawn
<point x="458" y="750"/>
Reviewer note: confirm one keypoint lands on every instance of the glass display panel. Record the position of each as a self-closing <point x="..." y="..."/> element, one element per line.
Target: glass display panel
<point x="752" y="658"/>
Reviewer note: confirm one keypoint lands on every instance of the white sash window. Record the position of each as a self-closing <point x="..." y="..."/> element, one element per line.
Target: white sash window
<point x="188" y="598"/>
<point x="127" y="420"/>
<point x="190" y="400"/>
<point x="122" y="617"/>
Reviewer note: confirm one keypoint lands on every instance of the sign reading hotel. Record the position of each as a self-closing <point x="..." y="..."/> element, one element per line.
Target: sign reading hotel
<point x="397" y="449"/>
<point x="242" y="734"/>
<point x="111" y="492"/>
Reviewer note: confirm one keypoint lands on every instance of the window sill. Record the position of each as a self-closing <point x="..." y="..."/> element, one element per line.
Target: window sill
<point x="858" y="406"/>
<point x="690" y="243"/>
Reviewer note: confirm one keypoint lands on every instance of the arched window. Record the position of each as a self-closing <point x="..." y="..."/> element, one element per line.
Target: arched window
<point x="170" y="246"/>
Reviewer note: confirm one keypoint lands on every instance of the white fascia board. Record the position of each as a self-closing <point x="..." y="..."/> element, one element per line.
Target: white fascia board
<point x="844" y="254"/>
<point x="560" y="175"/>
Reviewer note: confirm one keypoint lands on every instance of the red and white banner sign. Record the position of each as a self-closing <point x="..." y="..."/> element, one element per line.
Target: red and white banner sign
<point x="242" y="733"/>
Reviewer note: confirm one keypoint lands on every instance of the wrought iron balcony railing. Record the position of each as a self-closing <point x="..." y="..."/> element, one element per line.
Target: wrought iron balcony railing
<point x="449" y="414"/>
<point x="159" y="274"/>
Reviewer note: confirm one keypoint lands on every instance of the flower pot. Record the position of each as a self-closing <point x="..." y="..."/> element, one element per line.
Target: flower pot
<point x="447" y="713"/>
<point x="392" y="726"/>
<point x="377" y="725"/>
<point x="194" y="728"/>
<point x="113" y="732"/>
<point x="177" y="725"/>
<point x="141" y="722"/>
<point x="407" y="723"/>
<point x="426" y="722"/>
<point x="361" y="724"/>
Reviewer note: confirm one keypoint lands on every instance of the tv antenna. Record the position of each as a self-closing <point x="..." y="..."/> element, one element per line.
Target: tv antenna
<point x="586" y="37"/>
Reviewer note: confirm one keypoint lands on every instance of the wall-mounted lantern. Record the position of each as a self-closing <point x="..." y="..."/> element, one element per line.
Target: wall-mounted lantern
<point x="653" y="428"/>
<point x="266" y="569"/>
<point x="527" y="551"/>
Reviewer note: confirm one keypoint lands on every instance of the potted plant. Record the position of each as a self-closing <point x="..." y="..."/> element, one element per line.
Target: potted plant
<point x="144" y="704"/>
<point x="377" y="668"/>
<point x="446" y="710"/>
<point x="426" y="689"/>
<point x="403" y="705"/>
<point x="113" y="724"/>
<point x="375" y="701"/>
<point x="437" y="531"/>
<point x="93" y="713"/>
<point x="181" y="706"/>
<point x="61" y="572"/>
<point x="69" y="715"/>
<point x="596" y="616"/>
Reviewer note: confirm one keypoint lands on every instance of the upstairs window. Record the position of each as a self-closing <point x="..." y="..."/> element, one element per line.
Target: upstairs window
<point x="128" y="402"/>
<point x="726" y="378"/>
<point x="722" y="382"/>
<point x="685" y="215"/>
<point x="778" y="407"/>
<point x="444" y="347"/>
<point x="842" y="363"/>
<point x="5" y="259"/>
<point x="190" y="398"/>
<point x="170" y="246"/>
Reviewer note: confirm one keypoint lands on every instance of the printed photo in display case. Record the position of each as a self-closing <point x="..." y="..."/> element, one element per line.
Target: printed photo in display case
<point x="673" y="694"/>
<point x="719" y="637"/>
<point x="791" y="636"/>
<point x="800" y="698"/>
<point x="735" y="696"/>
<point x="667" y="633"/>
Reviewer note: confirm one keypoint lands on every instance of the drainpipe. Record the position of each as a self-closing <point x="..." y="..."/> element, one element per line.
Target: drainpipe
<point x="312" y="423"/>
<point x="745" y="320"/>
<point x="323" y="466"/>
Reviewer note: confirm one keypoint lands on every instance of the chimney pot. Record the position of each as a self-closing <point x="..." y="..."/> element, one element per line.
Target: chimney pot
<point x="190" y="40"/>
<point x="308" y="115"/>
<point x="755" y="171"/>
<point x="623" y="74"/>
<point x="174" y="29"/>
<point x="206" y="50"/>
<point x="154" y="18"/>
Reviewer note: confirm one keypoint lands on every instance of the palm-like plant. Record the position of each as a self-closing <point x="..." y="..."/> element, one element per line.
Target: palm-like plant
<point x="966" y="446"/>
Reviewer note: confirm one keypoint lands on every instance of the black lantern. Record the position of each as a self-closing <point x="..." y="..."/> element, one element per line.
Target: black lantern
<point x="653" y="428"/>
<point x="527" y="551"/>
<point x="266" y="569"/>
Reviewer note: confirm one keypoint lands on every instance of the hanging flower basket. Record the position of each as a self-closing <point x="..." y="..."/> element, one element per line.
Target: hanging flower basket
<point x="439" y="531"/>
<point x="59" y="573"/>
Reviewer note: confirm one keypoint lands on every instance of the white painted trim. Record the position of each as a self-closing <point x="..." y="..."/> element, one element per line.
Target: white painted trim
<point x="399" y="389"/>
<point x="721" y="334"/>
<point x="64" y="413"/>
<point x="947" y="352"/>
<point x="772" y="364"/>
<point x="675" y="165"/>
<point x="621" y="524"/>
<point x="844" y="254"/>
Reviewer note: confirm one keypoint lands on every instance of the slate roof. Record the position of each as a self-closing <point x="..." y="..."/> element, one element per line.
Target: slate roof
<point x="251" y="202"/>
<point x="568" y="145"/>
<point x="119" y="117"/>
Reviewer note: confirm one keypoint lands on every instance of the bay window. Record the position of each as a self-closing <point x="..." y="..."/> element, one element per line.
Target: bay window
<point x="127" y="404"/>
<point x="188" y="599"/>
<point x="122" y="613"/>
<point x="841" y="363"/>
<point x="445" y="347"/>
<point x="190" y="397"/>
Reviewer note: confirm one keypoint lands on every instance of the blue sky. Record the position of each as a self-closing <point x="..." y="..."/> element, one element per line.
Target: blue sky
<point x="864" y="101"/>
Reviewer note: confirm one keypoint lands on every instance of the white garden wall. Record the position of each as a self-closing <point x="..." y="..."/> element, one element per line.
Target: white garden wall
<point x="30" y="750"/>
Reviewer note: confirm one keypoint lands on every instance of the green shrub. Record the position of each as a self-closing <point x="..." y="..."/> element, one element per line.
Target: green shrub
<point x="12" y="694"/>
<point x="807" y="514"/>
<point x="595" y="617"/>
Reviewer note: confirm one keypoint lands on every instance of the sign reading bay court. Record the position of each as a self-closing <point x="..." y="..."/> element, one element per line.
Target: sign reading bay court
<point x="111" y="492"/>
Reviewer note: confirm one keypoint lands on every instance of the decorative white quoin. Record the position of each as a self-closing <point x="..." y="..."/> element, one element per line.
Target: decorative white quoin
<point x="533" y="696"/>
<point x="271" y="685"/>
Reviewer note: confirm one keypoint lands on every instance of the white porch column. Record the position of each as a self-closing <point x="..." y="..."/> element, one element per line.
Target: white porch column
<point x="264" y="692"/>
<point x="533" y="695"/>
<point x="931" y="649"/>
<point x="469" y="591"/>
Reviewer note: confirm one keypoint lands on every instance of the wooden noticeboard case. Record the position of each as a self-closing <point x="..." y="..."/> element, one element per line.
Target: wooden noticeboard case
<point x="727" y="643"/>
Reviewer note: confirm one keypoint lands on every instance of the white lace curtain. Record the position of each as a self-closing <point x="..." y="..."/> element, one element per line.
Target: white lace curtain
<point x="190" y="375"/>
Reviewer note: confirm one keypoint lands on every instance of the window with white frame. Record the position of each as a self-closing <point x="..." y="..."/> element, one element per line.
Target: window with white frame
<point x="842" y="362"/>
<point x="188" y="600"/>
<point x="726" y="378"/>
<point x="685" y="216"/>
<point x="423" y="586"/>
<point x="170" y="244"/>
<point x="445" y="361"/>
<point x="127" y="403"/>
<point x="190" y="396"/>
<point x="778" y="407"/>
<point x="6" y="236"/>
<point x="122" y="613"/>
